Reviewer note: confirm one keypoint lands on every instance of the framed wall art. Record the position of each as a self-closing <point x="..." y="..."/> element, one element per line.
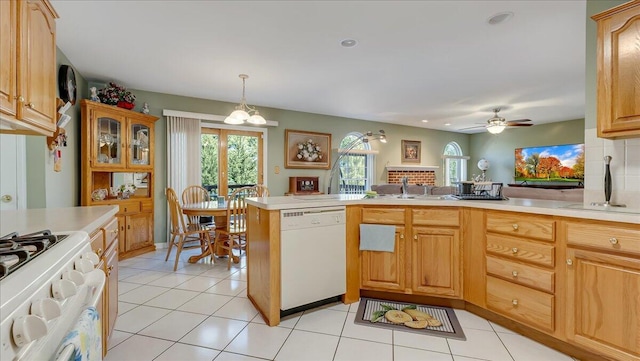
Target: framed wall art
<point x="309" y="150"/>
<point x="411" y="151"/>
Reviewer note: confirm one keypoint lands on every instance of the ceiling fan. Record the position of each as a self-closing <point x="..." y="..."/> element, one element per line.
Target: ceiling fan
<point x="497" y="124"/>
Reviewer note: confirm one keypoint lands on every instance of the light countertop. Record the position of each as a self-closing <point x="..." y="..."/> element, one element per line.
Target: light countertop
<point x="536" y="206"/>
<point x="58" y="220"/>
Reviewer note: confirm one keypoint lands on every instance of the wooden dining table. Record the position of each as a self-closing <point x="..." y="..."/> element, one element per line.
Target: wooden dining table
<point x="219" y="214"/>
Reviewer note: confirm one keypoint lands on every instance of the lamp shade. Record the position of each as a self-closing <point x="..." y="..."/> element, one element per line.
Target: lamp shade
<point x="495" y="129"/>
<point x="232" y="120"/>
<point x="256" y="118"/>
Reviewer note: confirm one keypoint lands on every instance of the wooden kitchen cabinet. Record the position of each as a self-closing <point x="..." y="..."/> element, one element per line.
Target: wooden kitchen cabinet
<point x="618" y="59"/>
<point x="28" y="67"/>
<point x="120" y="145"/>
<point x="520" y="265"/>
<point x="104" y="242"/>
<point x="386" y="270"/>
<point x="603" y="287"/>
<point x="435" y="258"/>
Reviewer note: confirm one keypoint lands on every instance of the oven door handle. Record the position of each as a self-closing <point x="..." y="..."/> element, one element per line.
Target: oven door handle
<point x="95" y="280"/>
<point x="66" y="354"/>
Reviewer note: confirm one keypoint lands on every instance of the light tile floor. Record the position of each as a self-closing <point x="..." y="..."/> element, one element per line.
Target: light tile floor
<point x="201" y="312"/>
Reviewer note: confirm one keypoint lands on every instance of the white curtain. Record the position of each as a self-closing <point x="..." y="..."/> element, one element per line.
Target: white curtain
<point x="183" y="153"/>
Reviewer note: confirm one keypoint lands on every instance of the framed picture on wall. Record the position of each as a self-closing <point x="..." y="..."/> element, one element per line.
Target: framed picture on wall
<point x="411" y="151"/>
<point x="309" y="150"/>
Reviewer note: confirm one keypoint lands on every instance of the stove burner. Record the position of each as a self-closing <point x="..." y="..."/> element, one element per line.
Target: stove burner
<point x="15" y="250"/>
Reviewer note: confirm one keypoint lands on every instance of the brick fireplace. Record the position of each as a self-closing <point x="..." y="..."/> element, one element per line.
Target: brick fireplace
<point x="425" y="175"/>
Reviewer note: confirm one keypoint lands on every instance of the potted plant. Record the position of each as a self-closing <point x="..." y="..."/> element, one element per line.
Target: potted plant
<point x="118" y="95"/>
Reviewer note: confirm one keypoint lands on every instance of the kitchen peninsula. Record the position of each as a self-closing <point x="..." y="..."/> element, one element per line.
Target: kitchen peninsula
<point x="546" y="269"/>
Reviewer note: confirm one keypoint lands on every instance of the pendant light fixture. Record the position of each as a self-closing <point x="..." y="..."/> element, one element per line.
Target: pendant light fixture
<point x="243" y="111"/>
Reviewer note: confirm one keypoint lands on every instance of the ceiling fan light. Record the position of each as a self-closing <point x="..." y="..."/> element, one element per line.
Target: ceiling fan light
<point x="256" y="119"/>
<point x="495" y="129"/>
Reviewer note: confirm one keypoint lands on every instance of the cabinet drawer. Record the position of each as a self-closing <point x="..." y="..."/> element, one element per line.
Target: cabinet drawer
<point x="604" y="236"/>
<point x="436" y="217"/>
<point x="146" y="206"/>
<point x="521" y="225"/>
<point x="129" y="207"/>
<point x="534" y="308"/>
<point x="514" y="248"/>
<point x="97" y="243"/>
<point x="383" y="215"/>
<point x="521" y="274"/>
<point x="111" y="232"/>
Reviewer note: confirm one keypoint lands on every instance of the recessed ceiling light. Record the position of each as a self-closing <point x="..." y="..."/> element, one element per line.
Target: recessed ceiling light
<point x="425" y="121"/>
<point x="500" y="18"/>
<point x="348" y="43"/>
<point x="447" y="124"/>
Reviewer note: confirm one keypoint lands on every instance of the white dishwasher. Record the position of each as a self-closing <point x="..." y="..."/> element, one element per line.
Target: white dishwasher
<point x="313" y="256"/>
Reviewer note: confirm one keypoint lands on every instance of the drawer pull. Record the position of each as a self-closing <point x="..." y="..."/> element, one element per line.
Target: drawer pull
<point x="613" y="240"/>
<point x="99" y="252"/>
<point x="515" y="226"/>
<point x="514" y="250"/>
<point x="109" y="269"/>
<point x="569" y="262"/>
<point x="515" y="273"/>
<point x="514" y="301"/>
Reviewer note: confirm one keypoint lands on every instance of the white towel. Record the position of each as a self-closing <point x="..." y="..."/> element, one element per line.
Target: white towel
<point x="377" y="237"/>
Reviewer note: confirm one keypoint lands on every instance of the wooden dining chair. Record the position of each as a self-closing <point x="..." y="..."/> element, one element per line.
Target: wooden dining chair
<point x="197" y="194"/>
<point x="183" y="235"/>
<point x="236" y="228"/>
<point x="262" y="190"/>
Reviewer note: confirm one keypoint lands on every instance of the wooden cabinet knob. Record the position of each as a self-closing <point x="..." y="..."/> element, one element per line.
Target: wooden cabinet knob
<point x="569" y="261"/>
<point x="515" y="273"/>
<point x="515" y="226"/>
<point x="21" y="99"/>
<point x="514" y="250"/>
<point x="415" y="236"/>
<point x="31" y="105"/>
<point x="514" y="301"/>
<point x="401" y="235"/>
<point x="99" y="252"/>
<point x="613" y="240"/>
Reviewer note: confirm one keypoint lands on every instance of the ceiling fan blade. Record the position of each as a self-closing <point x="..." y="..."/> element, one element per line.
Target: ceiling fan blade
<point x="518" y="121"/>
<point x="518" y="125"/>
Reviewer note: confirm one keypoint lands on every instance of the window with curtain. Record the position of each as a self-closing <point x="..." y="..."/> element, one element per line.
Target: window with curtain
<point x="455" y="164"/>
<point x="356" y="167"/>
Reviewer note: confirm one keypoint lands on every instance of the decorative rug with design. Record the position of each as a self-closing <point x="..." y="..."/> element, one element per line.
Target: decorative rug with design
<point x="409" y="317"/>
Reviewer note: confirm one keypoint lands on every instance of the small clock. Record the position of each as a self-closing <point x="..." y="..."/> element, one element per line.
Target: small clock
<point x="67" y="84"/>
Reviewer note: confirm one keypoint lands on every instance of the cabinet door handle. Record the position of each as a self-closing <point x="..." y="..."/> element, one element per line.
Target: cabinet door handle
<point x="109" y="269"/>
<point x="515" y="226"/>
<point x="31" y="105"/>
<point x="613" y="240"/>
<point x="401" y="235"/>
<point x="514" y="273"/>
<point x="114" y="231"/>
<point x="21" y="99"/>
<point x="514" y="301"/>
<point x="569" y="261"/>
<point x="415" y="236"/>
<point x="99" y="252"/>
<point x="514" y="250"/>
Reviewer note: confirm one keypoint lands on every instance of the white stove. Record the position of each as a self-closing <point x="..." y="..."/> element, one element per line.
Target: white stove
<point x="46" y="282"/>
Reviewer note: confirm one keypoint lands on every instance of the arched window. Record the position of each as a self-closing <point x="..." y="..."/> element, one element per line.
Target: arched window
<point x="455" y="164"/>
<point x="356" y="166"/>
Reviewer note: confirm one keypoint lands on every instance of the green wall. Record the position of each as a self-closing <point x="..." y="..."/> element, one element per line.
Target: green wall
<point x="499" y="149"/>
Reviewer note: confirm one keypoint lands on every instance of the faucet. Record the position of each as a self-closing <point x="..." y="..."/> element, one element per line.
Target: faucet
<point x="405" y="186"/>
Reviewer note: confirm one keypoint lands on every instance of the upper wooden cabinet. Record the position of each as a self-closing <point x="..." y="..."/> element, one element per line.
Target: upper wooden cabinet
<point x="28" y="67"/>
<point x="618" y="68"/>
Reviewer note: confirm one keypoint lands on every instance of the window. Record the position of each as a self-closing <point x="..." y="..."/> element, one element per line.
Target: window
<point x="356" y="166"/>
<point x="455" y="164"/>
<point x="230" y="159"/>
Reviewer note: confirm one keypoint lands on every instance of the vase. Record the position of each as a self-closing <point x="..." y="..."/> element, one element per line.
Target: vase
<point x="125" y="105"/>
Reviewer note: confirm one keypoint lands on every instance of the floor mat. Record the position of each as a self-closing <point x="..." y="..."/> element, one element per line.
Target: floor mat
<point x="371" y="308"/>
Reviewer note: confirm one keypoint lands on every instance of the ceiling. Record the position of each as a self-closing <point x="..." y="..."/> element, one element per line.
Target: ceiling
<point x="439" y="61"/>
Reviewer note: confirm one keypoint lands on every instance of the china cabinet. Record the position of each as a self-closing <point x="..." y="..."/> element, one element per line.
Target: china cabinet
<point x="119" y="169"/>
<point x="28" y="67"/>
<point x="618" y="61"/>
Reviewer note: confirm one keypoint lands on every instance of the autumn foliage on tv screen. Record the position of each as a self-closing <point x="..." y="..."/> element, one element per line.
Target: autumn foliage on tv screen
<point x="550" y="163"/>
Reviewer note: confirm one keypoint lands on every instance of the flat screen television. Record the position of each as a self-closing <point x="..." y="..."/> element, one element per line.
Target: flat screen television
<point x="550" y="164"/>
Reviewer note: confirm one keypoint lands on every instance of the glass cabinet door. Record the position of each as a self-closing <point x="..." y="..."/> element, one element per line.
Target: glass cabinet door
<point x="108" y="143"/>
<point x="139" y="145"/>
